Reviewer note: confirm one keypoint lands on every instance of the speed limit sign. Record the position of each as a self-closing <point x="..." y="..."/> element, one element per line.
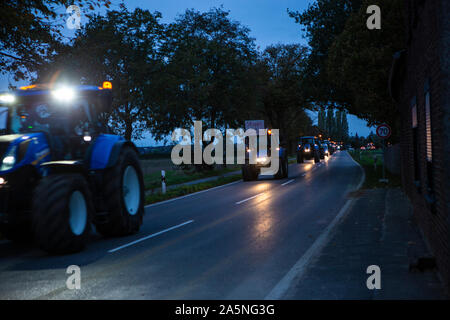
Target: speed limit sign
<point x="383" y="131"/>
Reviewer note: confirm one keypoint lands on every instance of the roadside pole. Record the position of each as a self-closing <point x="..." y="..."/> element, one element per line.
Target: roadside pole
<point x="163" y="181"/>
<point x="384" y="166"/>
<point x="384" y="132"/>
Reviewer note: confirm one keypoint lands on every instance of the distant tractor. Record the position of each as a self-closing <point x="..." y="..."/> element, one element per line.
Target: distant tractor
<point x="308" y="149"/>
<point x="250" y="172"/>
<point x="60" y="169"/>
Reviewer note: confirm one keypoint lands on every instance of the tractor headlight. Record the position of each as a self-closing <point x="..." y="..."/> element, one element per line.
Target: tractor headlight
<point x="9" y="160"/>
<point x="261" y="160"/>
<point x="64" y="94"/>
<point x="7" y="98"/>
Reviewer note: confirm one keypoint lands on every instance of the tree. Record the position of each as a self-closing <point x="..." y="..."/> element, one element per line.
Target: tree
<point x="208" y="73"/>
<point x="321" y="119"/>
<point x="30" y="30"/>
<point x="323" y="21"/>
<point x="330" y="122"/>
<point x="365" y="71"/>
<point x="344" y="126"/>
<point x="283" y="96"/>
<point x="121" y="47"/>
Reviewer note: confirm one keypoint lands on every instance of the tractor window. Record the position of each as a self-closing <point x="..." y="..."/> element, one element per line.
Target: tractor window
<point x="3" y="119"/>
<point x="307" y="140"/>
<point x="70" y="120"/>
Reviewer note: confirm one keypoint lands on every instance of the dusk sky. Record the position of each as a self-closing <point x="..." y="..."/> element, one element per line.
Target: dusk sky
<point x="268" y="21"/>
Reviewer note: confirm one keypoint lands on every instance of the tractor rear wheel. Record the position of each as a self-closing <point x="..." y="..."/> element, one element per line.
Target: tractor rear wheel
<point x="316" y="157"/>
<point x="123" y="194"/>
<point x="282" y="169"/>
<point x="62" y="211"/>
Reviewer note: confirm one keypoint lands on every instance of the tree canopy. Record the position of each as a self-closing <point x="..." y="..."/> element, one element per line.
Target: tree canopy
<point x="30" y="30"/>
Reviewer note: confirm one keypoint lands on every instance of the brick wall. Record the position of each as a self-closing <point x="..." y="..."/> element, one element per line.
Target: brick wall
<point x="427" y="66"/>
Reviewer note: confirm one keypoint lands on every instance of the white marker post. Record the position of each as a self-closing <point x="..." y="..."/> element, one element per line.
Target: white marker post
<point x="163" y="181"/>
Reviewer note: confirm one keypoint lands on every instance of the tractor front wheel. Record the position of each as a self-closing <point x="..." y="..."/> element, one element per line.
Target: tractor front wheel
<point x="123" y="194"/>
<point x="249" y="172"/>
<point x="62" y="211"/>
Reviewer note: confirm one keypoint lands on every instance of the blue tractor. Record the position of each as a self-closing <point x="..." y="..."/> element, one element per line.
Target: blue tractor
<point x="61" y="170"/>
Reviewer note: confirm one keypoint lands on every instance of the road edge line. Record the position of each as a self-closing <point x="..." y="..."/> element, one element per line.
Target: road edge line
<point x="299" y="268"/>
<point x="149" y="236"/>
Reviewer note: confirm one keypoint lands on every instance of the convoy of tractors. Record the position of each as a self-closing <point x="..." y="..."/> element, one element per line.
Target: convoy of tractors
<point x="62" y="170"/>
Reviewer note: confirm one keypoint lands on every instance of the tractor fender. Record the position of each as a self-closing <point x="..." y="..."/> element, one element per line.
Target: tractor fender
<point x="65" y="166"/>
<point x="117" y="148"/>
<point x="105" y="151"/>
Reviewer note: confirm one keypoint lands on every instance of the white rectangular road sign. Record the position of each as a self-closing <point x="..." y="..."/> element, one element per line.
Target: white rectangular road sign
<point x="254" y="124"/>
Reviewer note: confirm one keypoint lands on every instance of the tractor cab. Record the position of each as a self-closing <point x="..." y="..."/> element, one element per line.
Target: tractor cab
<point x="68" y="117"/>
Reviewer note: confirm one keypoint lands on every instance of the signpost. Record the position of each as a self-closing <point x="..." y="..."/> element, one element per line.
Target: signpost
<point x="254" y="124"/>
<point x="384" y="132"/>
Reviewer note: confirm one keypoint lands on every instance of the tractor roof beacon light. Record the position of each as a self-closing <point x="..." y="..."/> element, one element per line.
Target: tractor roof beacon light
<point x="107" y="85"/>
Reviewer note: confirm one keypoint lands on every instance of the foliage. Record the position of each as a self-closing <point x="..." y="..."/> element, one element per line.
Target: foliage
<point x="122" y="47"/>
<point x="30" y="30"/>
<point x="364" y="71"/>
<point x="207" y="75"/>
<point x="333" y="125"/>
<point x="322" y="22"/>
<point x="186" y="189"/>
<point x="282" y="90"/>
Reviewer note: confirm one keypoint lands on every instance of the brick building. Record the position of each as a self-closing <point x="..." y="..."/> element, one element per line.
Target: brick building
<point x="420" y="84"/>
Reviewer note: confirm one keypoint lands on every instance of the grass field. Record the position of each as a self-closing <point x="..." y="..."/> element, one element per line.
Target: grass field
<point x="367" y="159"/>
<point x="175" y="175"/>
<point x="186" y="189"/>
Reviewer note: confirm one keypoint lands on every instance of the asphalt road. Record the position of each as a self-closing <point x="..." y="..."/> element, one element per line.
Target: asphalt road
<point x="232" y="242"/>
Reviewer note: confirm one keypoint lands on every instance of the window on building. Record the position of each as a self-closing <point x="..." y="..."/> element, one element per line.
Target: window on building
<point x="414" y="126"/>
<point x="428" y="145"/>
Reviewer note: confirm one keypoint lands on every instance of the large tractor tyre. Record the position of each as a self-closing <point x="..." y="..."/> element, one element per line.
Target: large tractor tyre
<point x="62" y="211"/>
<point x="283" y="169"/>
<point x="300" y="159"/>
<point x="123" y="195"/>
<point x="249" y="172"/>
<point x="322" y="155"/>
<point x="316" y="157"/>
<point x="286" y="168"/>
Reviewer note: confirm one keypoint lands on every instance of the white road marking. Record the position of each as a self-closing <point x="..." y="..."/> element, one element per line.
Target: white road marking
<point x="150" y="236"/>
<point x="245" y="200"/>
<point x="191" y="194"/>
<point x="287" y="182"/>
<point x="299" y="268"/>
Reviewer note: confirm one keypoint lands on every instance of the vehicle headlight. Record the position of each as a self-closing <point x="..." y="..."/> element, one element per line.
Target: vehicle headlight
<point x="307" y="150"/>
<point x="9" y="160"/>
<point x="261" y="159"/>
<point x="64" y="94"/>
<point x="7" y="98"/>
